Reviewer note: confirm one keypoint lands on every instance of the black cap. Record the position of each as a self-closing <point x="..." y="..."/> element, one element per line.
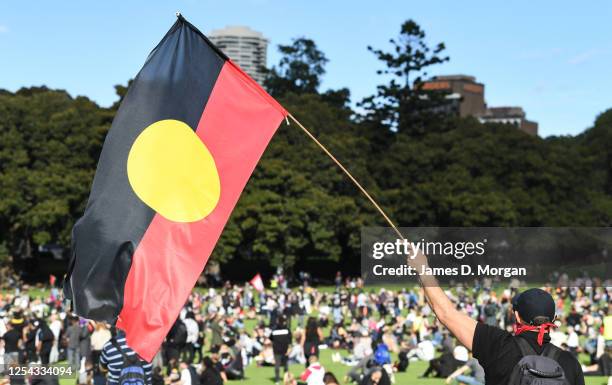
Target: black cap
<point x="534" y="303"/>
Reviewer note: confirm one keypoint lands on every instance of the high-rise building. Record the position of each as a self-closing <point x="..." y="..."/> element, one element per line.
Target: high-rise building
<point x="244" y="46"/>
<point x="466" y="98"/>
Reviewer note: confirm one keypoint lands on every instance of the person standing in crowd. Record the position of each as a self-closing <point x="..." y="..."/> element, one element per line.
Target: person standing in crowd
<point x="311" y="339"/>
<point x="497" y="350"/>
<point x="44" y="341"/>
<point x="85" y="342"/>
<point x="199" y="345"/>
<point x="112" y="359"/>
<point x="491" y="311"/>
<point x="193" y="333"/>
<point x="99" y="338"/>
<point x="11" y="340"/>
<point x="73" y="335"/>
<point x="29" y="340"/>
<point x="281" y="343"/>
<point x="216" y="329"/>
<point x="177" y="336"/>
<point x="56" y="328"/>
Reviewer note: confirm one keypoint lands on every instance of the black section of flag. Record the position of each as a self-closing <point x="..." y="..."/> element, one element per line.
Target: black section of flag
<point x="175" y="83"/>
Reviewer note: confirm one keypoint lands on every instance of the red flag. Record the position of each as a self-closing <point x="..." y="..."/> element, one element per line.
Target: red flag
<point x="184" y="143"/>
<point x="52" y="279"/>
<point x="257" y="283"/>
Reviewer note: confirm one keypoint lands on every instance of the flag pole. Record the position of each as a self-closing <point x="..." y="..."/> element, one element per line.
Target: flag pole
<point x="350" y="176"/>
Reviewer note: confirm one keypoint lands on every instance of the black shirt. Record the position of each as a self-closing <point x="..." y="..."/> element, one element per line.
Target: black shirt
<point x="11" y="341"/>
<point x="497" y="353"/>
<point x="45" y="336"/>
<point x="30" y="340"/>
<point x="211" y="376"/>
<point x="281" y="339"/>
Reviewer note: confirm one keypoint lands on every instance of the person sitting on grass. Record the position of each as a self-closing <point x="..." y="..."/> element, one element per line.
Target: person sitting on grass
<point x="289" y="379"/>
<point x="447" y="363"/>
<point x="330" y="379"/>
<point x="216" y="361"/>
<point x="210" y="375"/>
<point x="313" y="375"/>
<point x="603" y="366"/>
<point x="376" y="375"/>
<point x="266" y="356"/>
<point x="296" y="354"/>
<point x="476" y="373"/>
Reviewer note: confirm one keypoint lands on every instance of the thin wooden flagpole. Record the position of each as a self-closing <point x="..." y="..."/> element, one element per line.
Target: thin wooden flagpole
<point x="350" y="176"/>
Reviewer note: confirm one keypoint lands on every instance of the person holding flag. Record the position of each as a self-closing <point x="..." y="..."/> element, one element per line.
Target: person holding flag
<point x="257" y="283"/>
<point x="500" y="352"/>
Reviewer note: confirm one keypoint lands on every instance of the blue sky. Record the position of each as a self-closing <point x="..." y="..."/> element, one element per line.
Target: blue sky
<point x="551" y="57"/>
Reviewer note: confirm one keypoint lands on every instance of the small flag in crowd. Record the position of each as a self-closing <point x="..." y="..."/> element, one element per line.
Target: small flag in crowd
<point x="257" y="283"/>
<point x="183" y="144"/>
<point x="52" y="280"/>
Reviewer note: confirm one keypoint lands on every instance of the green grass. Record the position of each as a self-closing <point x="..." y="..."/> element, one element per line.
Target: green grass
<point x="34" y="292"/>
<point x="265" y="375"/>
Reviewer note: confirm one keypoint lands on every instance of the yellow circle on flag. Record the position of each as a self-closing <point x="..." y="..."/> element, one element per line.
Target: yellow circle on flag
<point x="172" y="171"/>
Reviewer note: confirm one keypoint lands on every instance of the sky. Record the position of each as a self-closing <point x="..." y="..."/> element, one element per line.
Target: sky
<point x="550" y="57"/>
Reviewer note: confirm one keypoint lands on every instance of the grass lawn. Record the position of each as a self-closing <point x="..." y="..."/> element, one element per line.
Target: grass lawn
<point x="265" y="375"/>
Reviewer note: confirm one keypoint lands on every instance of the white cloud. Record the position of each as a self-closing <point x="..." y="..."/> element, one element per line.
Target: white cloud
<point x="3" y="28"/>
<point x="584" y="57"/>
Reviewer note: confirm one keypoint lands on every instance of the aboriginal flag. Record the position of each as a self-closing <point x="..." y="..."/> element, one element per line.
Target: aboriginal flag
<point x="183" y="144"/>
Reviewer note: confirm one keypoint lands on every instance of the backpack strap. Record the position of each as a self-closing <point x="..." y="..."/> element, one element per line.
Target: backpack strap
<point x="525" y="347"/>
<point x="552" y="352"/>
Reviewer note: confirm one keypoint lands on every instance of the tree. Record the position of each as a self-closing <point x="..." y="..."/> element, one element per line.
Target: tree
<point x="402" y="104"/>
<point x="298" y="210"/>
<point x="49" y="145"/>
<point x="299" y="71"/>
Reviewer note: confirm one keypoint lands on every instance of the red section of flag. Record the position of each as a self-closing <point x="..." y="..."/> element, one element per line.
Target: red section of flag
<point x="257" y="283"/>
<point x="237" y="124"/>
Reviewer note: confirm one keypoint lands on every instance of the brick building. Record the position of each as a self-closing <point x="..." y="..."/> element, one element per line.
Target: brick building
<point x="467" y="98"/>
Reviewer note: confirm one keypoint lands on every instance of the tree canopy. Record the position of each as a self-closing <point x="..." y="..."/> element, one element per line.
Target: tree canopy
<point x="298" y="210"/>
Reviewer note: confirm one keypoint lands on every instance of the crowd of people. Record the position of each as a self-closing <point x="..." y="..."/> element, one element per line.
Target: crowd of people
<point x="374" y="333"/>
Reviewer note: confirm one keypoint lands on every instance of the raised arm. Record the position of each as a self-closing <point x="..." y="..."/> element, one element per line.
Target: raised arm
<point x="458" y="323"/>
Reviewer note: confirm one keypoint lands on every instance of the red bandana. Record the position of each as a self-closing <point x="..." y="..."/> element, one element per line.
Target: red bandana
<point x="542" y="329"/>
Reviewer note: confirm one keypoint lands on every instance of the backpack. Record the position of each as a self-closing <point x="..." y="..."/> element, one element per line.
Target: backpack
<point x="382" y="355"/>
<point x="534" y="368"/>
<point x="46" y="335"/>
<point x="490" y="310"/>
<point x="180" y="334"/>
<point x="132" y="372"/>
